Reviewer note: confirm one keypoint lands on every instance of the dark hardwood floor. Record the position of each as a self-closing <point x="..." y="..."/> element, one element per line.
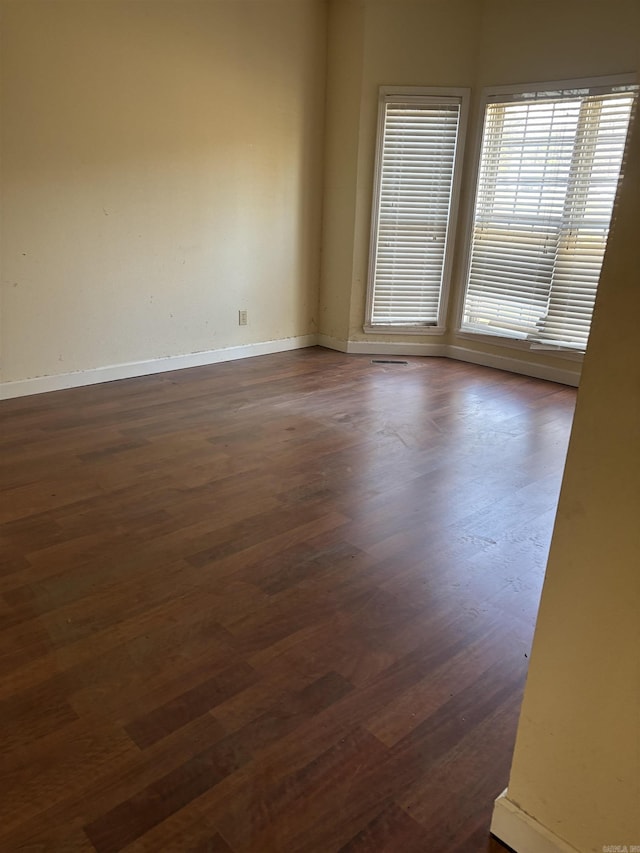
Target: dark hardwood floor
<point x="279" y="604"/>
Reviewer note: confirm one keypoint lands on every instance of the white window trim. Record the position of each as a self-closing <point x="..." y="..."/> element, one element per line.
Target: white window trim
<point x="389" y="93"/>
<point x="566" y="353"/>
<point x="606" y="82"/>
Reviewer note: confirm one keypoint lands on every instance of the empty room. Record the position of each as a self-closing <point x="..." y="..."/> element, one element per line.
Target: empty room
<point x="320" y="426"/>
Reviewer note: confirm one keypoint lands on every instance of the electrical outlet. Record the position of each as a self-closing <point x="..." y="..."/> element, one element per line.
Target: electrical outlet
<point x="242" y="317"/>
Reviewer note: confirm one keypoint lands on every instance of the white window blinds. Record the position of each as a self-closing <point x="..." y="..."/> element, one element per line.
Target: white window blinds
<point x="418" y="154"/>
<point x="549" y="170"/>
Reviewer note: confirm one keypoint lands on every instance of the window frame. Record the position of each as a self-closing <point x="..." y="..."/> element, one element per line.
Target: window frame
<point x="421" y="94"/>
<point x="607" y="82"/>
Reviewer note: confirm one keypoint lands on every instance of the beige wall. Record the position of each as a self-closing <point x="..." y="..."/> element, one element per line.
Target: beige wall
<point x="430" y="43"/>
<point x="161" y="169"/>
<point x="162" y="161"/>
<point x="576" y="767"/>
<point x="344" y="87"/>
<point x="469" y="43"/>
<point x="531" y="40"/>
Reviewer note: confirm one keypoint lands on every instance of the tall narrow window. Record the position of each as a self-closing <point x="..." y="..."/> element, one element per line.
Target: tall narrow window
<point x="549" y="170"/>
<point x="419" y="157"/>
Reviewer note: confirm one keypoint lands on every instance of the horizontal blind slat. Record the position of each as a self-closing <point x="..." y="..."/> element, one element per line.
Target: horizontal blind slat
<point x="417" y="161"/>
<point x="546" y="187"/>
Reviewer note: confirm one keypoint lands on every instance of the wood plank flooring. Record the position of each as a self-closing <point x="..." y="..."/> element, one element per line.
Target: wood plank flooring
<point x="280" y="604"/>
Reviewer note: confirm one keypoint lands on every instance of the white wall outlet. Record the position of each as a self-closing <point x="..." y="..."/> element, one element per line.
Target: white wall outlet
<point x="242" y="317"/>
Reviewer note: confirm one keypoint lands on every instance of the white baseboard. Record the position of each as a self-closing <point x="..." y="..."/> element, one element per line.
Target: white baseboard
<point x="393" y="348"/>
<point x="500" y="362"/>
<point x="129" y="370"/>
<point x="328" y="342"/>
<point x="515" y="365"/>
<point x="523" y="833"/>
<point x="381" y="347"/>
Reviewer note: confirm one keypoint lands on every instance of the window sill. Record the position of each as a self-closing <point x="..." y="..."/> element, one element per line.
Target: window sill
<point x="521" y="345"/>
<point x="402" y="330"/>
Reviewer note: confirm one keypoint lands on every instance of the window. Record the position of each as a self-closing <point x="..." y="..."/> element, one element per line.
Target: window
<point x="419" y="157"/>
<point x="549" y="168"/>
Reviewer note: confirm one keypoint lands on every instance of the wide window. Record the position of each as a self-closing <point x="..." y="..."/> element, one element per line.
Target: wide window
<point x="418" y="162"/>
<point x="549" y="169"/>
